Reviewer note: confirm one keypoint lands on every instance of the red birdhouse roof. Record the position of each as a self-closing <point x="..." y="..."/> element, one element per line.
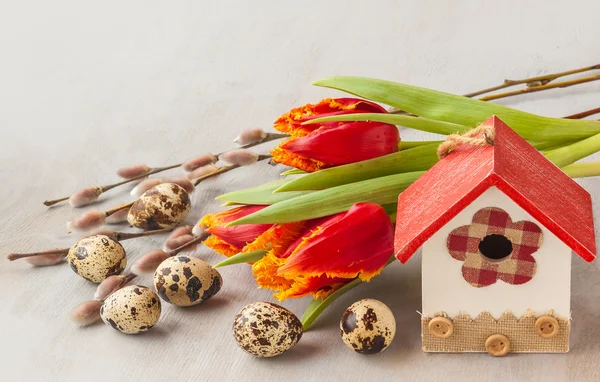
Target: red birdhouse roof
<point x="515" y="168"/>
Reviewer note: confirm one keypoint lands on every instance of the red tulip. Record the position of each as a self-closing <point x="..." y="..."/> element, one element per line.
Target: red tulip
<point x="291" y="122"/>
<point x="329" y="253"/>
<point x="322" y="145"/>
<point x="231" y="240"/>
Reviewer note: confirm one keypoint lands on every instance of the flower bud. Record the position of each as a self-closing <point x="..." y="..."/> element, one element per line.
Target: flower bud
<point x="239" y="157"/>
<point x="133" y="171"/>
<point x="118" y="217"/>
<point x="183" y="182"/>
<point x="179" y="237"/>
<point x="88" y="221"/>
<point x="199" y="161"/>
<point x="149" y="262"/>
<point x="84" y="197"/>
<point x="86" y="313"/>
<point x="144" y="186"/>
<point x="107" y="286"/>
<point x="250" y="136"/>
<point x="46" y="260"/>
<point x="201" y="171"/>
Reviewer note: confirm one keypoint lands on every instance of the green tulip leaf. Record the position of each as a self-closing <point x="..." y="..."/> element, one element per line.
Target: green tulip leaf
<point x="260" y="195"/>
<point x="382" y="191"/>
<point x="248" y="257"/>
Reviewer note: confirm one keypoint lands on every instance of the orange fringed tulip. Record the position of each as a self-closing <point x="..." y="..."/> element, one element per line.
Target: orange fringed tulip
<point x="329" y="253"/>
<point x="316" y="146"/>
<point x="231" y="240"/>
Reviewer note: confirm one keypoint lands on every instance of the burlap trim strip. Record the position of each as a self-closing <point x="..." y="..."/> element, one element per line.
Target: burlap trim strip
<point x="469" y="334"/>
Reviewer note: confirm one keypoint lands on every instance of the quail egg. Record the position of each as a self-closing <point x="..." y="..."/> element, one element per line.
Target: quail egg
<point x="266" y="330"/>
<point x="163" y="206"/>
<point x="368" y="326"/>
<point x="186" y="281"/>
<point x="131" y="310"/>
<point x="97" y="257"/>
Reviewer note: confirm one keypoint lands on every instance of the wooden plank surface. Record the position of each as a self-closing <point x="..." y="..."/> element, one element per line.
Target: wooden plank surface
<point x="86" y="88"/>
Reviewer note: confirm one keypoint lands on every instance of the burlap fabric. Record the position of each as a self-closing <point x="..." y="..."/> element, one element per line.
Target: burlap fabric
<point x="469" y="334"/>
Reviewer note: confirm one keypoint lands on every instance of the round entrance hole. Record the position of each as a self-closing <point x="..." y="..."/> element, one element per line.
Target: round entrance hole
<point x="495" y="247"/>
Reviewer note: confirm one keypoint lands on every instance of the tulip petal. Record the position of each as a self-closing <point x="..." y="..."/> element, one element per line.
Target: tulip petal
<point x="320" y="287"/>
<point x="222" y="218"/>
<point x="291" y="122"/>
<point x="339" y="145"/>
<point x="278" y="238"/>
<point x="357" y="244"/>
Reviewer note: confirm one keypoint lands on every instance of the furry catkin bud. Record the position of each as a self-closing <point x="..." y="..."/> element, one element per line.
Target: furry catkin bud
<point x="179" y="237"/>
<point x="45" y="260"/>
<point x="183" y="182"/>
<point x="199" y="161"/>
<point x="149" y="262"/>
<point x="198" y="229"/>
<point x="133" y="171"/>
<point x="201" y="171"/>
<point x="88" y="221"/>
<point x="84" y="197"/>
<point x="107" y="286"/>
<point x="239" y="157"/>
<point x="118" y="217"/>
<point x="86" y="313"/>
<point x="144" y="186"/>
<point x="250" y="136"/>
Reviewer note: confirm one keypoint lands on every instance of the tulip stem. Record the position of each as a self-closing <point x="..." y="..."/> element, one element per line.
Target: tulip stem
<point x="119" y="236"/>
<point x="569" y="154"/>
<point x="582" y="170"/>
<point x="317" y="306"/>
<point x="103" y="189"/>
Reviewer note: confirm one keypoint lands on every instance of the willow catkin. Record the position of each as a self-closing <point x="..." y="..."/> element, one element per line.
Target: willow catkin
<point x="133" y="171"/>
<point x="46" y="260"/>
<point x="239" y="157"/>
<point x="250" y="136"/>
<point x="179" y="237"/>
<point x="118" y="217"/>
<point x="202" y="171"/>
<point x="199" y="161"/>
<point x="108" y="286"/>
<point x="85" y="196"/>
<point x="144" y="186"/>
<point x="149" y="262"/>
<point x="86" y="313"/>
<point x="88" y="221"/>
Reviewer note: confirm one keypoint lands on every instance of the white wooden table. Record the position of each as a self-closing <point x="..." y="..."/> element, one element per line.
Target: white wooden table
<point x="87" y="87"/>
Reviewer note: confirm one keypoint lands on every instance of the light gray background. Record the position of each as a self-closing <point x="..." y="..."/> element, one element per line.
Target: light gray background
<point x="87" y="87"/>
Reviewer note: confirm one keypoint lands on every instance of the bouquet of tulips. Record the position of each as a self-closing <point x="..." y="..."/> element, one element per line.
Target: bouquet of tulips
<point x="327" y="225"/>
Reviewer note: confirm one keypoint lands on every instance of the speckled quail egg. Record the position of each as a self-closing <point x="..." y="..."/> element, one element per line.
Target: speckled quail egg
<point x="131" y="310"/>
<point x="186" y="281"/>
<point x="162" y="206"/>
<point x="368" y="326"/>
<point x="97" y="257"/>
<point x="264" y="329"/>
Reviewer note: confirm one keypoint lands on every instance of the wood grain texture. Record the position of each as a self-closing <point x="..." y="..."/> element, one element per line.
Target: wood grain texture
<point x="87" y="88"/>
<point x="518" y="170"/>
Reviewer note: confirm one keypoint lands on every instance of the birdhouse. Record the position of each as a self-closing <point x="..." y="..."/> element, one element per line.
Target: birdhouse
<point x="497" y="224"/>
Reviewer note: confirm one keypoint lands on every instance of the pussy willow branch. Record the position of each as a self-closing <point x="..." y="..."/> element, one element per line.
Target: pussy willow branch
<point x="533" y="81"/>
<point x="119" y="236"/>
<point x="584" y="114"/>
<point x="200" y="238"/>
<point x="533" y="89"/>
<point x="103" y="189"/>
<point x="225" y="169"/>
<point x="540" y="83"/>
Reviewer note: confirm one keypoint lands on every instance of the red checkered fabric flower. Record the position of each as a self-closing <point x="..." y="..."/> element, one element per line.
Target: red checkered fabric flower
<point x="525" y="237"/>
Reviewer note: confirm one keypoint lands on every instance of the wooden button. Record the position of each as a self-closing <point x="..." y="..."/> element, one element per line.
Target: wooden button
<point x="497" y="345"/>
<point x="547" y="326"/>
<point x="441" y="327"/>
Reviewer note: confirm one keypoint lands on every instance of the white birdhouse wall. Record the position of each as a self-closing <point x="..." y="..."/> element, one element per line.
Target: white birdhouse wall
<point x="452" y="285"/>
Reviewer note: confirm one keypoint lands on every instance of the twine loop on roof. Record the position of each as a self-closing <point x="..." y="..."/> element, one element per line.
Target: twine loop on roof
<point x="480" y="136"/>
